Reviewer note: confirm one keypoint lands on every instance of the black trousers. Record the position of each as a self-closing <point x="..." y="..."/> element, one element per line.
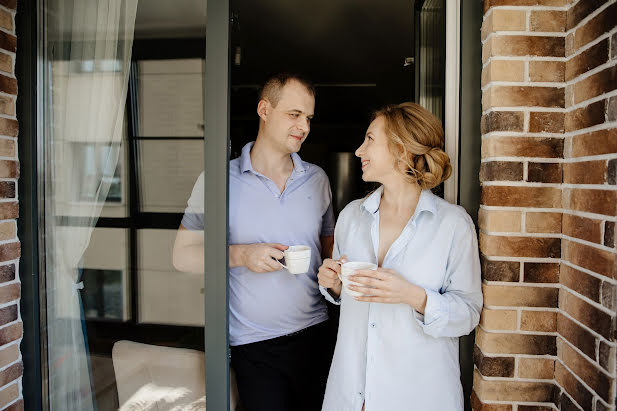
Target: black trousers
<point x="287" y="373"/>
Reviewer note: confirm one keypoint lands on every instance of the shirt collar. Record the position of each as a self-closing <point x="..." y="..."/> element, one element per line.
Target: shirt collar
<point x="246" y="165"/>
<point x="425" y="203"/>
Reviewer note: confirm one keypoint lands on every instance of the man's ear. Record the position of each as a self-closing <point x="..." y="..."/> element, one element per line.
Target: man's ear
<point x="263" y="109"/>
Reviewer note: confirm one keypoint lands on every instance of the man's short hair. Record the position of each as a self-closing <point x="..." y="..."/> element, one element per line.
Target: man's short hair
<point x="273" y="86"/>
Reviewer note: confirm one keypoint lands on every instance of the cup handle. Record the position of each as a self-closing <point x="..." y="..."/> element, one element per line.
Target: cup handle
<point x="282" y="265"/>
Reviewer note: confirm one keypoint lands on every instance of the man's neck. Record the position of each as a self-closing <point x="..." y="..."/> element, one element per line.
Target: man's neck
<point x="269" y="161"/>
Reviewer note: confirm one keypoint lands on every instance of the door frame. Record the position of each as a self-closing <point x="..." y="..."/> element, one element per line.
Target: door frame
<point x="216" y="214"/>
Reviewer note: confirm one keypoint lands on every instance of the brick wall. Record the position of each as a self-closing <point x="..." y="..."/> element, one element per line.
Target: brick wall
<point x="10" y="321"/>
<point x="546" y="338"/>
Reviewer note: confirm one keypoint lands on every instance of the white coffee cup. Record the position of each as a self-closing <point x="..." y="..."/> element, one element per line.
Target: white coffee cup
<point x="297" y="259"/>
<point x="350" y="268"/>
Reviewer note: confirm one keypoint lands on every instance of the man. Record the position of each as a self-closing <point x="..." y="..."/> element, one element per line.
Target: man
<point x="280" y="348"/>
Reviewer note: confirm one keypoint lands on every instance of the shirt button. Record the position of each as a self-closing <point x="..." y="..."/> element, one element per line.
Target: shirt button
<point x="373" y="325"/>
<point x="360" y="393"/>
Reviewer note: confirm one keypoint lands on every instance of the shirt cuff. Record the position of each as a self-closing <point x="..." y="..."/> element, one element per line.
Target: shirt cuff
<point x="329" y="297"/>
<point x="436" y="310"/>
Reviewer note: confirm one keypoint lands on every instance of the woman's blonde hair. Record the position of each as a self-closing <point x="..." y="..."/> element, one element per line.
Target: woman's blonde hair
<point x="416" y="140"/>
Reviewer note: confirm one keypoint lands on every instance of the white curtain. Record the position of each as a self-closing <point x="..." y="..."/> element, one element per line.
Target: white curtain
<point x="87" y="59"/>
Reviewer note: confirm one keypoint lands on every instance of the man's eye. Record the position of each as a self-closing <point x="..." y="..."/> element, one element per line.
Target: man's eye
<point x="294" y="115"/>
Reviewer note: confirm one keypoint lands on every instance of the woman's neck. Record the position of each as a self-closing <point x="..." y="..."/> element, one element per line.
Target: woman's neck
<point x="400" y="196"/>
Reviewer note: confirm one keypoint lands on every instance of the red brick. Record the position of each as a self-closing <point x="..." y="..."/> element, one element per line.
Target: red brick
<point x="520" y="246"/>
<point x="509" y="343"/>
<point x="609" y="234"/>
<point x="570" y="384"/>
<point x="6" y="20"/>
<point x="6" y="63"/>
<point x="7" y="105"/>
<point x="545" y="147"/>
<point x="505" y="196"/>
<point x="19" y="406"/>
<point x="9" y="394"/>
<point x="541" y="272"/>
<point x="595" y="143"/>
<point x="585" y="172"/>
<point x="576" y="335"/>
<point x="602" y="82"/>
<point x="594" y="28"/>
<point x="493" y="366"/>
<point x="501" y="171"/>
<point x="8" y="42"/>
<point x="587" y="60"/>
<point x="546" y="122"/>
<point x="588" y="372"/>
<point x="9" y="210"/>
<point x="583" y="228"/>
<point x="591" y="258"/>
<point x="587" y="314"/>
<point x="7" y="273"/>
<point x="507" y="45"/>
<point x="548" y="20"/>
<point x="7" y="189"/>
<point x="10" y="292"/>
<point x="8" y="315"/>
<point x="584" y="117"/>
<point x="502" y="121"/>
<point x="606" y="356"/>
<point x="519" y="296"/>
<point x="11" y="333"/>
<point x="500" y="270"/>
<point x="580" y="10"/>
<point x="545" y="321"/>
<point x="543" y="222"/>
<point x="478" y="405"/>
<point x="8" y="85"/>
<point x="544" y="172"/>
<point x="9" y="127"/>
<point x="580" y="282"/>
<point x="536" y="368"/>
<point x="609" y="293"/>
<point x="10" y="251"/>
<point x="521" y="96"/>
<point x="9" y="4"/>
<point x="513" y="391"/>
<point x="547" y="71"/>
<point x="11" y="374"/>
<point x="591" y="201"/>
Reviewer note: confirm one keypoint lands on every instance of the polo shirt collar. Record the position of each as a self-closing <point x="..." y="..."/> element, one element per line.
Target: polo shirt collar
<point x="246" y="165"/>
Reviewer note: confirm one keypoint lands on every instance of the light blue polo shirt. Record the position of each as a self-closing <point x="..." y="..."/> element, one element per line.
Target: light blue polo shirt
<point x="269" y="305"/>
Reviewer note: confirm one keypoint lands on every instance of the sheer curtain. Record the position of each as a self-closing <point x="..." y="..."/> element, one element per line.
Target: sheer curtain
<point x="87" y="60"/>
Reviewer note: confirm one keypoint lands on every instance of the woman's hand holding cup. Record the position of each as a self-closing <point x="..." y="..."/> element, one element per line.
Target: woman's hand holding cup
<point x="329" y="275"/>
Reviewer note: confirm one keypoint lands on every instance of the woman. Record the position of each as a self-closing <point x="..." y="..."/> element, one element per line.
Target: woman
<point x="397" y="346"/>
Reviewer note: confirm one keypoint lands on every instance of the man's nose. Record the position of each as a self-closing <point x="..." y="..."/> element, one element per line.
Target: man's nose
<point x="303" y="124"/>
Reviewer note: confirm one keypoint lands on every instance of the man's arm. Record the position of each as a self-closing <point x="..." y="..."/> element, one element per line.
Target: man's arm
<point x="188" y="253"/>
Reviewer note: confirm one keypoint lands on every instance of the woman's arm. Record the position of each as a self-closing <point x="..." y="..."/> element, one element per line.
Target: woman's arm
<point x="452" y="312"/>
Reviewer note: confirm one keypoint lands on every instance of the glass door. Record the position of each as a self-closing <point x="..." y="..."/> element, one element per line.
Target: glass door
<point x="135" y="307"/>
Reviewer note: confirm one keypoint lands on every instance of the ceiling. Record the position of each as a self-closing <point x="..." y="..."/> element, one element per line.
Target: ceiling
<point x="169" y="19"/>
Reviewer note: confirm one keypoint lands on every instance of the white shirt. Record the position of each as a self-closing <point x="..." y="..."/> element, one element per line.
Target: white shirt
<point x="389" y="355"/>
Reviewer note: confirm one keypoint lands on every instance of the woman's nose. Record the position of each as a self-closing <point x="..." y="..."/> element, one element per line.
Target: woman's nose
<point x="359" y="151"/>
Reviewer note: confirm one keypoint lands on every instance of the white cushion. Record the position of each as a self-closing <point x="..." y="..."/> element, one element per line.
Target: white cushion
<point x="151" y="377"/>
